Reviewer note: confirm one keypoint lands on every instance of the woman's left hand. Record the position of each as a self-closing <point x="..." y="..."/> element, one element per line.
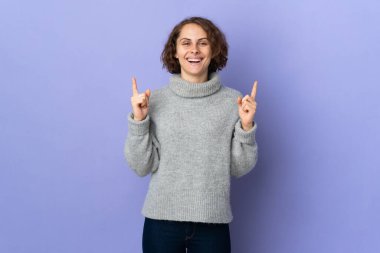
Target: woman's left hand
<point x="247" y="108"/>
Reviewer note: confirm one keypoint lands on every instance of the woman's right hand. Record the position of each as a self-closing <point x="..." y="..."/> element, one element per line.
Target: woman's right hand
<point x="140" y="102"/>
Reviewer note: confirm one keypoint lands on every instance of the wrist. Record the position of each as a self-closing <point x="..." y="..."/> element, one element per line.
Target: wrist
<point x="247" y="127"/>
<point x="135" y="118"/>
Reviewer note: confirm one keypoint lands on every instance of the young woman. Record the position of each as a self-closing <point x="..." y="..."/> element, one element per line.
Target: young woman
<point x="191" y="136"/>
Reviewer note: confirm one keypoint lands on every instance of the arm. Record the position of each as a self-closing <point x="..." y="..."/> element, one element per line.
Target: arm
<point x="141" y="148"/>
<point x="243" y="150"/>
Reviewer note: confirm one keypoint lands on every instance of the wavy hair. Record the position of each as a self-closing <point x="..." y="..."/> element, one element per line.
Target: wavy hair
<point x="219" y="46"/>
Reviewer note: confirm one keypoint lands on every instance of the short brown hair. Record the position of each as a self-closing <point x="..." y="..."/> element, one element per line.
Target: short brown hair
<point x="219" y="46"/>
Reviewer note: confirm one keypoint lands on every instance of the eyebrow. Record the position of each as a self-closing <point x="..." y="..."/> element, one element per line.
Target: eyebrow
<point x="190" y="39"/>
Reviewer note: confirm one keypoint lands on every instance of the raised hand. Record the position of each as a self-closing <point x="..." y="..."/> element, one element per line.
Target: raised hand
<point x="140" y="102"/>
<point x="247" y="108"/>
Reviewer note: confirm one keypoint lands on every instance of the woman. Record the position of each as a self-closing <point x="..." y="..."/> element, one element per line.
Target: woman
<point x="191" y="136"/>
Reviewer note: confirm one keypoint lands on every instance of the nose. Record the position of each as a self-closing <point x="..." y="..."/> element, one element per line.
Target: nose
<point x="194" y="49"/>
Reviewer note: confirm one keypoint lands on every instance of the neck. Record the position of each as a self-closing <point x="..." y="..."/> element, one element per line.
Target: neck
<point x="194" y="79"/>
<point x="184" y="88"/>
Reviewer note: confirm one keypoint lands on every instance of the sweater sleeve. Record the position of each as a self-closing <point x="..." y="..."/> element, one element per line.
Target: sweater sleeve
<point x="142" y="149"/>
<point x="243" y="150"/>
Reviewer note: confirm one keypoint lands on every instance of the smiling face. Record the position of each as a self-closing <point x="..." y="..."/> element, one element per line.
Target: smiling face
<point x="193" y="51"/>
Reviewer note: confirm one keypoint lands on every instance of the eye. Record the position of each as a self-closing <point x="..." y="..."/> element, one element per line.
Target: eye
<point x="203" y="43"/>
<point x="186" y="43"/>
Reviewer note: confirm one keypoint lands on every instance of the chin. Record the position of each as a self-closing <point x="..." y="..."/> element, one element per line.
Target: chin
<point x="197" y="73"/>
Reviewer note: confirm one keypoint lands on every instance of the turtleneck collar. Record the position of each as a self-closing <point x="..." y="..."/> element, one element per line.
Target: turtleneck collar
<point x="184" y="88"/>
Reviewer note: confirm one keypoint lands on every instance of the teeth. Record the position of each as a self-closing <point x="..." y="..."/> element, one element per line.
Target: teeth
<point x="194" y="60"/>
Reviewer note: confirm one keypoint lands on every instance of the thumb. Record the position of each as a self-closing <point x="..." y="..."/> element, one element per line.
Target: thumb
<point x="239" y="101"/>
<point x="147" y="92"/>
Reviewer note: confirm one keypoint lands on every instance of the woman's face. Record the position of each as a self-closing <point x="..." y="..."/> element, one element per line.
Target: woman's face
<point x="193" y="50"/>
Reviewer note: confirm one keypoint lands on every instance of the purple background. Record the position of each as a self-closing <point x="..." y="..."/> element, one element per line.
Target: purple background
<point x="65" y="71"/>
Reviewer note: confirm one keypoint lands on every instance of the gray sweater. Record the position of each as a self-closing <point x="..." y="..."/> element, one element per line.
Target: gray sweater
<point x="191" y="143"/>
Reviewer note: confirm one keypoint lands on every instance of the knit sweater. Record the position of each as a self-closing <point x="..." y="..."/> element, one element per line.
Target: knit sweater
<point x="191" y="143"/>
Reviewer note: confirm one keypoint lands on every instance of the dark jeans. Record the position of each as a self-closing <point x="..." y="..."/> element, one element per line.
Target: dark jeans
<point x="163" y="236"/>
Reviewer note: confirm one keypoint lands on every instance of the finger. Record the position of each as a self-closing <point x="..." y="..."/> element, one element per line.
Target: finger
<point x="239" y="101"/>
<point x="250" y="100"/>
<point x="144" y="100"/>
<point x="134" y="86"/>
<point x="147" y="97"/>
<point x="247" y="105"/>
<point x="254" y="90"/>
<point x="246" y="97"/>
<point x="142" y="97"/>
<point x="148" y="92"/>
<point x="246" y="108"/>
<point x="138" y="100"/>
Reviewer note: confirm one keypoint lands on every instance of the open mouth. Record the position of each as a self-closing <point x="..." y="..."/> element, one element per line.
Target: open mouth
<point x="194" y="60"/>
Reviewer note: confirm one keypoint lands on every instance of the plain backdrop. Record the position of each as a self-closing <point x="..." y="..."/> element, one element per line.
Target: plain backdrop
<point x="65" y="86"/>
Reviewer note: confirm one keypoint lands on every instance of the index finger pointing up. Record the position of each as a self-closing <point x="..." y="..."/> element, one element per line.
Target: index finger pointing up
<point x="254" y="90"/>
<point x="134" y="86"/>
